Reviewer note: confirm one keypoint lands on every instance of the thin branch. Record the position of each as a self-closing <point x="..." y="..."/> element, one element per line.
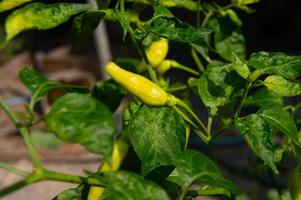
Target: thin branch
<point x="197" y="60"/>
<point x="245" y="94"/>
<point x="9" y="113"/>
<point x="16" y="186"/>
<point x="31" y="150"/>
<point x="14" y="170"/>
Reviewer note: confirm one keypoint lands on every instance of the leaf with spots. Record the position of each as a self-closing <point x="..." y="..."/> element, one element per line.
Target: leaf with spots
<point x="194" y="167"/>
<point x="158" y="137"/>
<point x="79" y="118"/>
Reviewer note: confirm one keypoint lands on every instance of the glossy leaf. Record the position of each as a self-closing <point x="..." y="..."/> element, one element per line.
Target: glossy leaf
<point x="187" y="4"/>
<point x="209" y="191"/>
<point x="73" y="193"/>
<point x="241" y="67"/>
<point x="31" y="78"/>
<point x="79" y="118"/>
<point x="83" y="26"/>
<point x="227" y="38"/>
<point x="264" y="98"/>
<point x="219" y="84"/>
<point x="109" y="93"/>
<point x="276" y="63"/>
<point x="123" y="185"/>
<point x="244" y="2"/>
<point x="39" y="85"/>
<point x="44" y="139"/>
<point x="158" y="137"/>
<point x="129" y="111"/>
<point x="10" y="4"/>
<point x="40" y="16"/>
<point x="194" y="167"/>
<point x="257" y="134"/>
<point x="280" y="120"/>
<point x="233" y="16"/>
<point x="282" y="86"/>
<point x="166" y="25"/>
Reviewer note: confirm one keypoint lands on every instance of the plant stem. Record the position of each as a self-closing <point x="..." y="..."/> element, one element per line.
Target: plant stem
<point x="221" y="130"/>
<point x="13" y="169"/>
<point x="209" y="124"/>
<point x="150" y="70"/>
<point x="185" y="117"/>
<point x="197" y="60"/>
<point x="31" y="150"/>
<point x="16" y="186"/>
<point x="173" y="89"/>
<point x="187" y="185"/>
<point x="177" y="65"/>
<point x="188" y="109"/>
<point x="140" y="49"/>
<point x="211" y="150"/>
<point x="122" y="9"/>
<point x="207" y="17"/>
<point x="25" y="133"/>
<point x="9" y="113"/>
<point x="245" y="94"/>
<point x="42" y="174"/>
<point x="203" y="136"/>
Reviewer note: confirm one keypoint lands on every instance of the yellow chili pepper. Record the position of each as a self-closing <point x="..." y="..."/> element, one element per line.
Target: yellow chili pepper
<point x="144" y="89"/>
<point x="187" y="129"/>
<point x="155" y="53"/>
<point x="119" y="152"/>
<point x="294" y="184"/>
<point x="163" y="66"/>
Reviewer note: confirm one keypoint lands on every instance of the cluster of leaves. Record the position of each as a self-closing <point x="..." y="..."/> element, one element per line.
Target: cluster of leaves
<point x="228" y="83"/>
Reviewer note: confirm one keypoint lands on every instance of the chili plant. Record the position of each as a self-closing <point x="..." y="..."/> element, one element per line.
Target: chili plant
<point x="158" y="119"/>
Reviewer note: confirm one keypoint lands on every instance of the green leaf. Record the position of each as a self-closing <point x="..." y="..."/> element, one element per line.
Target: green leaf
<point x="280" y="120"/>
<point x="276" y="63"/>
<point x="219" y="84"/>
<point x="282" y="86"/>
<point x="166" y="25"/>
<point x="233" y="16"/>
<point x="187" y="4"/>
<point x="31" y="78"/>
<point x="102" y="4"/>
<point x="79" y="118"/>
<point x="129" y="111"/>
<point x="44" y="139"/>
<point x="194" y="167"/>
<point x="109" y="93"/>
<point x="39" y="85"/>
<point x="227" y="38"/>
<point x="124" y="20"/>
<point x="123" y="185"/>
<point x="244" y="2"/>
<point x="264" y="98"/>
<point x="209" y="191"/>
<point x="83" y="26"/>
<point x="241" y="67"/>
<point x="10" y="4"/>
<point x="257" y="134"/>
<point x="40" y="16"/>
<point x="158" y="137"/>
<point x="78" y="193"/>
